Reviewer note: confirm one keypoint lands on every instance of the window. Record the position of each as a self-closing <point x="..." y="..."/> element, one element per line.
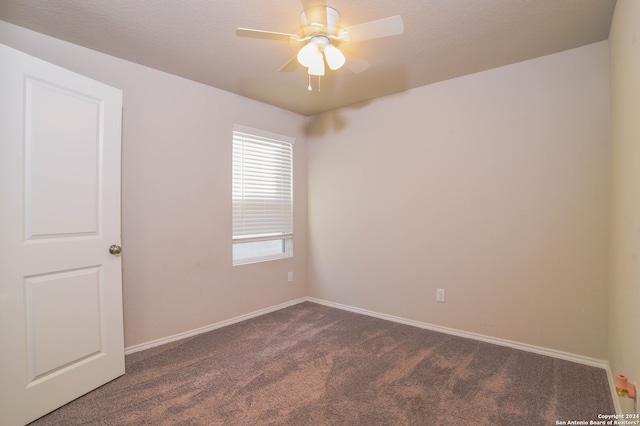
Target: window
<point x="262" y="196"/>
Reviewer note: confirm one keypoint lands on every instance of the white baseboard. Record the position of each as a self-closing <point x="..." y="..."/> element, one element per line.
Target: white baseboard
<point x="612" y="387"/>
<point x="469" y="335"/>
<point x="194" y="332"/>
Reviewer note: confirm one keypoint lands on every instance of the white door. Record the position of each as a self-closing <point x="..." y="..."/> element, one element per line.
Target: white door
<point x="61" y="331"/>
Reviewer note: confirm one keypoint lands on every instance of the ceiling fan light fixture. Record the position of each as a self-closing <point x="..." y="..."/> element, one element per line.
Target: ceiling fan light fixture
<point x="323" y="36"/>
<point x="308" y="53"/>
<point x="317" y="65"/>
<point x="335" y="58"/>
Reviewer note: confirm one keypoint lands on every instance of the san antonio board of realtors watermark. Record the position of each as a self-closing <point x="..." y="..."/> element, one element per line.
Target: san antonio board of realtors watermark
<point x="606" y="420"/>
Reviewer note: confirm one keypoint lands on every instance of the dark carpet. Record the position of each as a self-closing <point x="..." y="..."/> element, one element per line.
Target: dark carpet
<point x="314" y="365"/>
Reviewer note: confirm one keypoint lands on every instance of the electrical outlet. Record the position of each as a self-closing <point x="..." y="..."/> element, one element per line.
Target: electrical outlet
<point x="290" y="277"/>
<point x="440" y="295"/>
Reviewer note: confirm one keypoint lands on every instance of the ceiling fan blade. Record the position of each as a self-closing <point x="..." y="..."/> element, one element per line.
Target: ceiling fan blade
<point x="384" y="27"/>
<point x="290" y="66"/>
<point x="269" y="35"/>
<point x="356" y="64"/>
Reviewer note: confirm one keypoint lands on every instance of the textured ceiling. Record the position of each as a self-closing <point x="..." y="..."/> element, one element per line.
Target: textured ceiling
<point x="196" y="39"/>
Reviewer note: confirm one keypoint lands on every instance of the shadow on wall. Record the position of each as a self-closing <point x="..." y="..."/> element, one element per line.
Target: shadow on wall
<point x="330" y="121"/>
<point x="334" y="120"/>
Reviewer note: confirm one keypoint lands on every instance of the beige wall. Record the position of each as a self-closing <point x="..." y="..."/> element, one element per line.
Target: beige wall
<point x="493" y="186"/>
<point x="624" y="321"/>
<point x="176" y="194"/>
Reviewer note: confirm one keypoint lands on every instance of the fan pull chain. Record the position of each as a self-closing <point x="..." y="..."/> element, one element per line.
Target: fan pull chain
<point x="309" y="88"/>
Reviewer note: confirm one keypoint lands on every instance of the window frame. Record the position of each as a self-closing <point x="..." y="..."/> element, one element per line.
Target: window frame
<point x="283" y="235"/>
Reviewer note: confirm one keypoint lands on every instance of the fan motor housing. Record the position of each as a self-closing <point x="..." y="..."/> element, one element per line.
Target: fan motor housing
<point x="320" y="20"/>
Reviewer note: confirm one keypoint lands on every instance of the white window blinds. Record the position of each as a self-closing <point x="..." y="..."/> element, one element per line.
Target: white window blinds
<point x="262" y="186"/>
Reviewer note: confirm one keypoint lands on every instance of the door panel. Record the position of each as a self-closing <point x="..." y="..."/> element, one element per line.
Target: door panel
<point x="61" y="201"/>
<point x="67" y="301"/>
<point x="60" y="290"/>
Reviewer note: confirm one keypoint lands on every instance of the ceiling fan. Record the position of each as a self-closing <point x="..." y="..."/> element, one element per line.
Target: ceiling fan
<point x="323" y="41"/>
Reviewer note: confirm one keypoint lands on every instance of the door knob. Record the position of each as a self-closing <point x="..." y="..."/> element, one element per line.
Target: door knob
<point x="114" y="249"/>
